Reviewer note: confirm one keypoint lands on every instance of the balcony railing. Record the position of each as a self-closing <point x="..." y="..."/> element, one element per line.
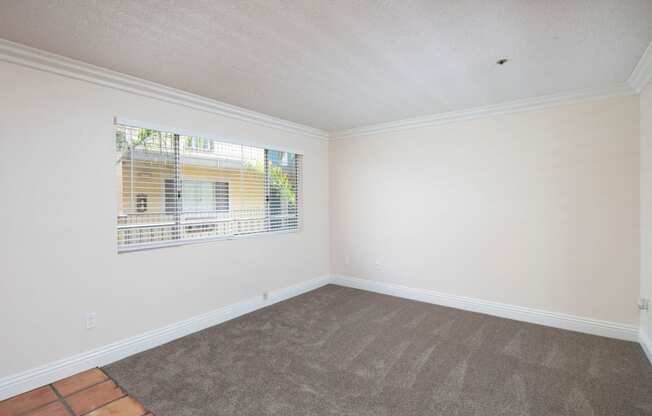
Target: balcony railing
<point x="144" y="229"/>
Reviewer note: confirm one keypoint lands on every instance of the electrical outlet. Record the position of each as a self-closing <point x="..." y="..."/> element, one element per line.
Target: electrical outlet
<point x="379" y="266"/>
<point x="265" y="295"/>
<point x="644" y="304"/>
<point x="347" y="260"/>
<point x="91" y="320"/>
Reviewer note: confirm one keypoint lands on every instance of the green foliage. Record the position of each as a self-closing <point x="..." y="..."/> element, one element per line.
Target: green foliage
<point x="120" y="139"/>
<point x="144" y="135"/>
<point x="278" y="179"/>
<point x="281" y="181"/>
<point x="143" y="139"/>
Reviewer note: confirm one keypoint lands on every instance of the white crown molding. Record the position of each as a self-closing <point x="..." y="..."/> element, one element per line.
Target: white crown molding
<point x="646" y="344"/>
<point x="49" y="373"/>
<point x="527" y="104"/>
<point x="45" y="61"/>
<point x="518" y="313"/>
<point x="642" y="73"/>
<point x="16" y="53"/>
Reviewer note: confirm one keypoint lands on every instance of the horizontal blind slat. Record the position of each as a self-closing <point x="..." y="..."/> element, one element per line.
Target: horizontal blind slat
<point x="180" y="188"/>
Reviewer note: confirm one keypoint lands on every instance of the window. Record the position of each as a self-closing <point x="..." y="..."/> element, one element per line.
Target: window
<point x="222" y="196"/>
<point x="141" y="202"/>
<point x="198" y="196"/>
<point x="174" y="189"/>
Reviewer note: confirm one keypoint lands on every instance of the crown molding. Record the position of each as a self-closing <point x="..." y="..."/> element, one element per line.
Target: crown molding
<point x="23" y="55"/>
<point x="642" y="73"/>
<point x="527" y="104"/>
<point x="19" y="54"/>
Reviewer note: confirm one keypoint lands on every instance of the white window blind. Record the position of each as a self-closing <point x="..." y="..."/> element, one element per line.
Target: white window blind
<point x="174" y="189"/>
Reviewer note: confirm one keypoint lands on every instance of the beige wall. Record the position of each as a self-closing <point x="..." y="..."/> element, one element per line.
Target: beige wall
<point x="538" y="209"/>
<point x="58" y="239"/>
<point x="646" y="205"/>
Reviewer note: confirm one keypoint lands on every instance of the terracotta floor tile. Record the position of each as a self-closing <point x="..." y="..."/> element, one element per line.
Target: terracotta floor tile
<point x="94" y="397"/>
<point x="27" y="401"/>
<point x="127" y="406"/>
<point x="80" y="381"/>
<point x="54" y="409"/>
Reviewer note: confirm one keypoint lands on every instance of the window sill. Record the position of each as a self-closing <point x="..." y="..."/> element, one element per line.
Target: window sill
<point x="143" y="247"/>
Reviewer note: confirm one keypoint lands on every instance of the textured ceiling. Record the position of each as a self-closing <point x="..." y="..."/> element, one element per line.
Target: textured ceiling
<point x="341" y="63"/>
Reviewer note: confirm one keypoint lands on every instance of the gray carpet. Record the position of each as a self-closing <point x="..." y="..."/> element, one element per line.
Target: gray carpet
<point x="341" y="351"/>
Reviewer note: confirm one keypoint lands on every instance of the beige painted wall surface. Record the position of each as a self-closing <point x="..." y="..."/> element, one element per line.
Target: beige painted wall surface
<point x="58" y="240"/>
<point x="646" y="205"/>
<point x="538" y="209"/>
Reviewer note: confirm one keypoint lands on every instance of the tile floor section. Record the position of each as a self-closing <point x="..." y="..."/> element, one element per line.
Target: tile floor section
<point x="90" y="393"/>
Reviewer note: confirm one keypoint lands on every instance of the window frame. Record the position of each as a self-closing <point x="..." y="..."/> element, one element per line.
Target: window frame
<point x="178" y="213"/>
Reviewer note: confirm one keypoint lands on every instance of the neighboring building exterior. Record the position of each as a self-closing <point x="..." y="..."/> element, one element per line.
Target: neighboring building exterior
<point x="201" y="188"/>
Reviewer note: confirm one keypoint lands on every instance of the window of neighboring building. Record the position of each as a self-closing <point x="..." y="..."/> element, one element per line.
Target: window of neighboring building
<point x="174" y="189"/>
<point x="198" y="196"/>
<point x="170" y="196"/>
<point x="221" y="196"/>
<point x="141" y="202"/>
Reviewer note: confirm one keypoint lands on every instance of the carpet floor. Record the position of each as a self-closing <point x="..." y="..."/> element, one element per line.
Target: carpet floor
<point x="342" y="351"/>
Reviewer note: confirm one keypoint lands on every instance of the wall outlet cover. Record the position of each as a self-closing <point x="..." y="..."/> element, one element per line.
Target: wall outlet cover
<point x="91" y="320"/>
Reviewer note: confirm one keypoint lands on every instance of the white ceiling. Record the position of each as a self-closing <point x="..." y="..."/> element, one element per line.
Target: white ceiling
<point x="342" y="63"/>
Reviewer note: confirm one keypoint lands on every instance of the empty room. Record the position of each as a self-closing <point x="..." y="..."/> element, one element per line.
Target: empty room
<point x="324" y="208"/>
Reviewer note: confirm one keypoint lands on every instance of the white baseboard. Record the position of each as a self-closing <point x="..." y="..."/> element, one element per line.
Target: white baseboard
<point x="36" y="377"/>
<point x="519" y="313"/>
<point x="49" y="373"/>
<point x="646" y="343"/>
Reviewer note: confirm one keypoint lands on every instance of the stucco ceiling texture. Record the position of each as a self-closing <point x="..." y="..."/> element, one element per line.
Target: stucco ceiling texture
<point x="341" y="63"/>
